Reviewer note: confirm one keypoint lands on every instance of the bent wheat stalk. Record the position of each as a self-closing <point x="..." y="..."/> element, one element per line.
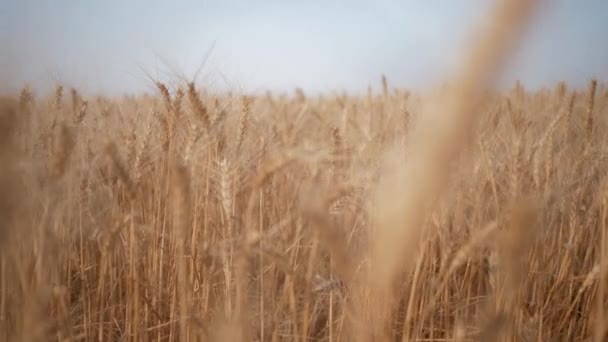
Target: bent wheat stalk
<point x="410" y="186"/>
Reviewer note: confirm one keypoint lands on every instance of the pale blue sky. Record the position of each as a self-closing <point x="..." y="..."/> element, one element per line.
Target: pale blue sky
<point x="257" y="45"/>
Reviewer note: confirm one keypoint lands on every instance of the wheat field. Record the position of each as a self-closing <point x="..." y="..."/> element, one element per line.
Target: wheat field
<point x="189" y="215"/>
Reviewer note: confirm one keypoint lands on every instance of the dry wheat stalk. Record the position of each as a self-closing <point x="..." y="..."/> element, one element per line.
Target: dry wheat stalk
<point x="197" y="105"/>
<point x="590" y="105"/>
<point x="243" y="123"/>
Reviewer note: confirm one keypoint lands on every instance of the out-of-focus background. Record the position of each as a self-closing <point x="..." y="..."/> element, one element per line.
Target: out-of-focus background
<point x="253" y="46"/>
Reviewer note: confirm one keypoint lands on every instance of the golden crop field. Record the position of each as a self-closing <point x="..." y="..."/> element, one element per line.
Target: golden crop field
<point x="187" y="215"/>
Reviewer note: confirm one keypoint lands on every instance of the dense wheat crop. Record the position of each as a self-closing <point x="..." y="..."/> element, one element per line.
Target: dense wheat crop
<point x="161" y="218"/>
<point x="188" y="215"/>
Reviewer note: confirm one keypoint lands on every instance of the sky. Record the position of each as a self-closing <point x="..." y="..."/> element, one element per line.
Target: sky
<point x="117" y="46"/>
